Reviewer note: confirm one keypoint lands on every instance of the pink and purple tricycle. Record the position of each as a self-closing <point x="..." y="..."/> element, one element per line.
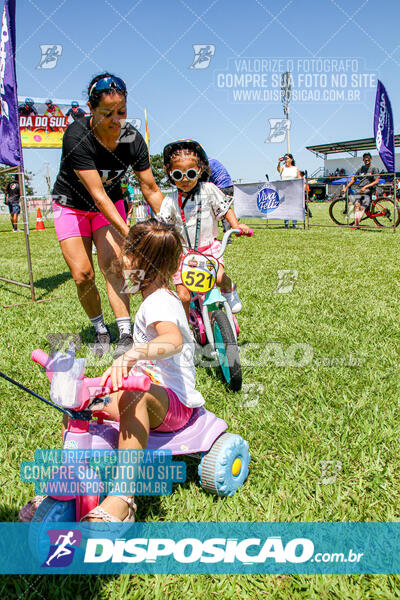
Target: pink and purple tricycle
<point x="224" y="457"/>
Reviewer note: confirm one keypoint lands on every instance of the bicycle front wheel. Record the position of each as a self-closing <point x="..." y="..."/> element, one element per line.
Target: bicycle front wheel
<point x="382" y="212"/>
<point x="338" y="211"/>
<point x="227" y="350"/>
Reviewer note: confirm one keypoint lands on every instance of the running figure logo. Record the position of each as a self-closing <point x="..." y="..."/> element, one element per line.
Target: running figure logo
<point x="278" y="129"/>
<point x="50" y="55"/>
<point x="203" y="54"/>
<point x="62" y="547"/>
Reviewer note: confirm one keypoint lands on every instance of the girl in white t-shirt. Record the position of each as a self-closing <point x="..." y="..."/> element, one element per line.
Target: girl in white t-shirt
<point x="195" y="208"/>
<point x="163" y="349"/>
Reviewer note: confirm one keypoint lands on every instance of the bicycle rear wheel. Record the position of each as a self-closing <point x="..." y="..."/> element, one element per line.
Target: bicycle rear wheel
<point x="382" y="212"/>
<point x="338" y="211"/>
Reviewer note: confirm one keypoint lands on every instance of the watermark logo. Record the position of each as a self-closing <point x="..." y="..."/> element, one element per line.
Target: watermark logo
<point x="252" y="392"/>
<point x="128" y="130"/>
<point x="278" y="129"/>
<point x="194" y="550"/>
<point x="61" y="342"/>
<point x="136" y="123"/>
<point x="132" y="280"/>
<point x="63" y="543"/>
<point x="267" y="200"/>
<point x="286" y="281"/>
<point x="330" y="470"/>
<point x="203" y="54"/>
<point x="285" y="80"/>
<point x="50" y="55"/>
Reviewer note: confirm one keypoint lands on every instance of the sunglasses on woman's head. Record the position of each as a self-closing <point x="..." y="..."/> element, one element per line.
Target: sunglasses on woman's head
<point x="108" y="83"/>
<point x="191" y="174"/>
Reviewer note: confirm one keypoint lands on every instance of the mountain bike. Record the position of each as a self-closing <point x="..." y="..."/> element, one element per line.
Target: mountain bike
<point x="381" y="211"/>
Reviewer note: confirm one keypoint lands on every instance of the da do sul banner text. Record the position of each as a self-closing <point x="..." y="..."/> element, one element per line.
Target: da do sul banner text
<point x="43" y="121"/>
<point x="270" y="200"/>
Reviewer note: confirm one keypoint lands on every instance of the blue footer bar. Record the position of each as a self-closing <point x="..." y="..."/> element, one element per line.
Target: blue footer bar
<point x="189" y="548"/>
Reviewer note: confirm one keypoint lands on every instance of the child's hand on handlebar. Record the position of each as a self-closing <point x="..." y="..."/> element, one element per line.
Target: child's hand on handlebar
<point x="120" y="368"/>
<point x="245" y="229"/>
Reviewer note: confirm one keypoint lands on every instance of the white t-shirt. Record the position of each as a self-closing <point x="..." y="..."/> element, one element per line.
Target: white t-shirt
<point x="178" y="371"/>
<point x="214" y="205"/>
<point x="288" y="173"/>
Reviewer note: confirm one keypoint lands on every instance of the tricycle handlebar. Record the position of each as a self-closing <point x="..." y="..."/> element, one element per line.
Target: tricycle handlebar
<point x="90" y="387"/>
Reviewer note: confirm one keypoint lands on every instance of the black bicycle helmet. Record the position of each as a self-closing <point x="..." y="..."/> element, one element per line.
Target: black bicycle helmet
<point x="187" y="144"/>
<point x="184" y="144"/>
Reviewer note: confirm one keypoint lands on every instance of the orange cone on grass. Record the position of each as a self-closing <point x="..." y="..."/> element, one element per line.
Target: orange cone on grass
<point x="39" y="221"/>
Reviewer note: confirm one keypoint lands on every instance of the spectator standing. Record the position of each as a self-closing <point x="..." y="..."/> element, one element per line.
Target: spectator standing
<point x="88" y="206"/>
<point x="288" y="170"/>
<point x="12" y="198"/>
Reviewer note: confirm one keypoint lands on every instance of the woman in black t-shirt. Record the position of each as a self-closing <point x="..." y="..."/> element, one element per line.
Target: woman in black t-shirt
<point x="88" y="204"/>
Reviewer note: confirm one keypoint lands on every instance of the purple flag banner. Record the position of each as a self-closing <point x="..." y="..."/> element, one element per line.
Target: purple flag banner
<point x="10" y="140"/>
<point x="383" y="128"/>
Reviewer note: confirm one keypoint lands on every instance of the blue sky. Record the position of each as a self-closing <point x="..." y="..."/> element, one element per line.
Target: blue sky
<point x="150" y="45"/>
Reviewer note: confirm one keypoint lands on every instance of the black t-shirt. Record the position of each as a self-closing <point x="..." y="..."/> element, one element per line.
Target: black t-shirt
<point x="12" y="191"/>
<point x="26" y="111"/>
<point x="82" y="151"/>
<point x="75" y="114"/>
<point x="366" y="175"/>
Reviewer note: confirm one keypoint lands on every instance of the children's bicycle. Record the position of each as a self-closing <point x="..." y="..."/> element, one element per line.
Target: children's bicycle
<point x="210" y="315"/>
<point x="381" y="211"/>
<point x="224" y="457"/>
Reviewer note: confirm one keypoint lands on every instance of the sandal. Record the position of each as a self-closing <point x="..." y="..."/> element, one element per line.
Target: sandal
<point x="99" y="513"/>
<point x="27" y="512"/>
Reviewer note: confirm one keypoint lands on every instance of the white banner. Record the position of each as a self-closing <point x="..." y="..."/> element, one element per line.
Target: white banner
<point x="270" y="200"/>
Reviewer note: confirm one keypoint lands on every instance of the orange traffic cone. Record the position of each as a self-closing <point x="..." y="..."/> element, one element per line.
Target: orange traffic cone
<point x="39" y="221"/>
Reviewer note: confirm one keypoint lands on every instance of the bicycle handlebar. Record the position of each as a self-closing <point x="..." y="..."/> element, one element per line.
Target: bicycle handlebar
<point x="227" y="235"/>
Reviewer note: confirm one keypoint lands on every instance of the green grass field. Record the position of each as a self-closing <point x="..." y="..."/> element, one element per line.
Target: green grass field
<point x="340" y="403"/>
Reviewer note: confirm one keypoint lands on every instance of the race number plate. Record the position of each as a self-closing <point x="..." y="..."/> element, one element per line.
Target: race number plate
<point x="199" y="272"/>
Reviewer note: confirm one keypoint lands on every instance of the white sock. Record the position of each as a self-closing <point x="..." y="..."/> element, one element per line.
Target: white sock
<point x="124" y="326"/>
<point x="99" y="324"/>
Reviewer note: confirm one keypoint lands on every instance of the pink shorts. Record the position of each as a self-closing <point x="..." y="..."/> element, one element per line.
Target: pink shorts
<point x="177" y="416"/>
<point x="71" y="222"/>
<point x="213" y="249"/>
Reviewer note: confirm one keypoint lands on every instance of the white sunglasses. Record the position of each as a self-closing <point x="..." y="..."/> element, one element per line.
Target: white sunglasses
<point x="191" y="174"/>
